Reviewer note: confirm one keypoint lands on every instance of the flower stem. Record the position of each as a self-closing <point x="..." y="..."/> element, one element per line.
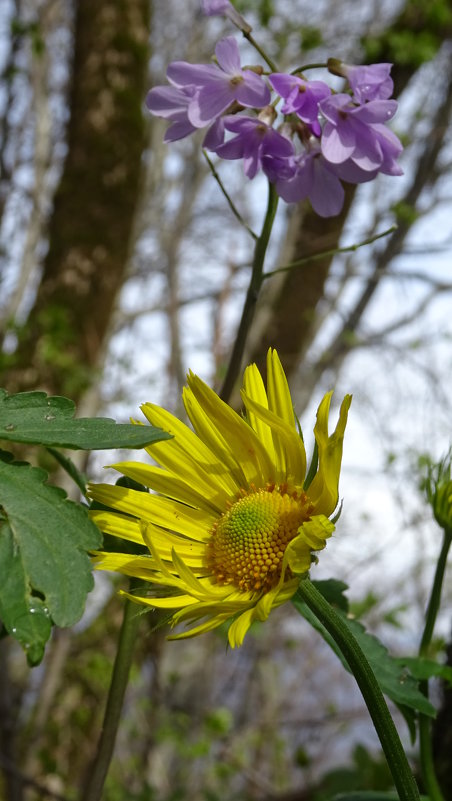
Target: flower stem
<point x="432" y="787"/>
<point x="248" y="35"/>
<point x="124" y="657"/>
<point x="252" y="295"/>
<point x="370" y="689"/>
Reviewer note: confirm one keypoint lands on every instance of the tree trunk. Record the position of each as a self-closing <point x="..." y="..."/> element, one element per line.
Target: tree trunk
<point x="92" y="219"/>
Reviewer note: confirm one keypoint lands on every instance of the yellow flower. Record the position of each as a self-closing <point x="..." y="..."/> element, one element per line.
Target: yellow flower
<point x="231" y="524"/>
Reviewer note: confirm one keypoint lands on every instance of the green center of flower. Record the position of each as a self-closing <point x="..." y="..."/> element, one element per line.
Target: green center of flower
<point x="249" y="540"/>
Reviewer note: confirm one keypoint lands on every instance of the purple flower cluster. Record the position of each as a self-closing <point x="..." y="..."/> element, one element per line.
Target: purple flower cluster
<point x="323" y="139"/>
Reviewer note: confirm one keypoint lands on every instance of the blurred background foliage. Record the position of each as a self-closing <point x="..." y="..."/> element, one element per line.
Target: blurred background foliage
<point x="120" y="267"/>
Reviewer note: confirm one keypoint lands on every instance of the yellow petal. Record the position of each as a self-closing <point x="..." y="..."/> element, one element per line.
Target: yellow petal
<point x="186" y="454"/>
<point x="253" y="387"/>
<point x="128" y="528"/>
<point x="289" y="449"/>
<point x="235" y="435"/>
<point x="163" y="512"/>
<point x="279" y="398"/>
<point x="324" y="489"/>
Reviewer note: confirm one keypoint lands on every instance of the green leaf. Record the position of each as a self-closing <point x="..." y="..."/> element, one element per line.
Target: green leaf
<point x="23" y="616"/>
<point x="333" y="592"/>
<point x="371" y="795"/>
<point x="45" y="571"/>
<point x="394" y="679"/>
<point x="426" y="668"/>
<point x="39" y="419"/>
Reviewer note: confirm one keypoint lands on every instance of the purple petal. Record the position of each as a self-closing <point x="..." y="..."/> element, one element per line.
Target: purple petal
<point x="178" y="130"/>
<point x="282" y="83"/>
<point x="212" y="8"/>
<point x="210" y="102"/>
<point x="332" y="105"/>
<point x="168" y="101"/>
<point x="375" y="111"/>
<point x="369" y="82"/>
<point x="215" y="135"/>
<point x="227" y="53"/>
<point x="327" y="193"/>
<point x="253" y="92"/>
<point x="181" y="73"/>
<point x="232" y="149"/>
<point x="251" y="164"/>
<point x="350" y="172"/>
<point x="337" y="145"/>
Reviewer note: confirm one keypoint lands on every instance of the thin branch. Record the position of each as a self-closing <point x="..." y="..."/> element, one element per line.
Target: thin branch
<point x="229" y="200"/>
<point x="332" y="252"/>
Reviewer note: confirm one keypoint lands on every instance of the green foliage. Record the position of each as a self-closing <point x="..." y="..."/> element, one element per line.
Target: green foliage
<point x="45" y="571"/>
<point x="35" y="418"/>
<point x="310" y="38"/>
<point x="422" y="668"/>
<point x="393" y="675"/>
<point x="405" y="213"/>
<point x="365" y="772"/>
<point x="370" y="795"/>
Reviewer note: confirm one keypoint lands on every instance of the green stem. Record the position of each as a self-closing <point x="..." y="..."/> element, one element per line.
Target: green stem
<point x="251" y="296"/>
<point x="370" y="689"/>
<point x="248" y="35"/>
<point x="124" y="657"/>
<point x="432" y="787"/>
<point x="315" y="66"/>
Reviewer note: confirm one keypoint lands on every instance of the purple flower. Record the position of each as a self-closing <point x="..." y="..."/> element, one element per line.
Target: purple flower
<point x="356" y="132"/>
<point x="219" y="86"/>
<point x="223" y="8"/>
<point x="391" y="148"/>
<point x="301" y="97"/>
<point x="315" y="179"/>
<point x="172" y="103"/>
<point x="255" y="142"/>
<point x="369" y="82"/>
<point x="213" y="8"/>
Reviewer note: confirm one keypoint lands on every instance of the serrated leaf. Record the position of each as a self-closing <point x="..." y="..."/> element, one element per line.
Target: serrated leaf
<point x="44" y="548"/>
<point x="25" y="617"/>
<point x="395" y="680"/>
<point x="39" y="419"/>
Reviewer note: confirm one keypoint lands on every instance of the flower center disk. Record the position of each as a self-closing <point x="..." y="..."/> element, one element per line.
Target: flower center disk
<point x="248" y="541"/>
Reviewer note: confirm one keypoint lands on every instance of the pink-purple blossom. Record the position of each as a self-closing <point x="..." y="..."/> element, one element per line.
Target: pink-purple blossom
<point x="369" y="82"/>
<point x="315" y="179"/>
<point x="301" y="97"/>
<point x="323" y="140"/>
<point x="223" y="8"/>
<point x="218" y="86"/>
<point x="254" y="141"/>
<point x="212" y="8"/>
<point x="354" y="132"/>
<point x="171" y="103"/>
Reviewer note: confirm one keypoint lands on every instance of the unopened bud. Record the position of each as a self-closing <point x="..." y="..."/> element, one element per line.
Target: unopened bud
<point x="267" y="115"/>
<point x="439" y="491"/>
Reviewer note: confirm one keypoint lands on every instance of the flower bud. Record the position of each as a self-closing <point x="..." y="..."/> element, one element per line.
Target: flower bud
<point x="439" y="491"/>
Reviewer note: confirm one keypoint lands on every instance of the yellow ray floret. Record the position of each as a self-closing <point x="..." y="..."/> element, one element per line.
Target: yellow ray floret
<point x="230" y="526"/>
